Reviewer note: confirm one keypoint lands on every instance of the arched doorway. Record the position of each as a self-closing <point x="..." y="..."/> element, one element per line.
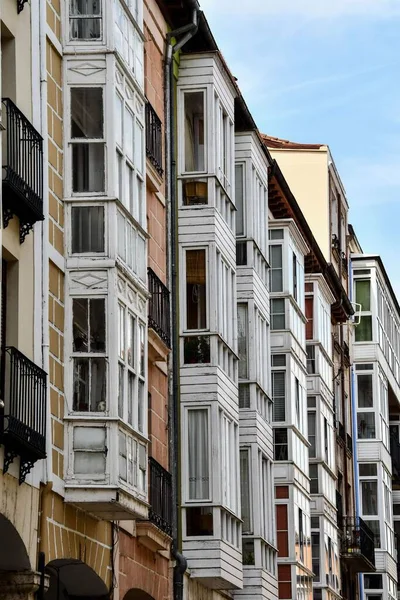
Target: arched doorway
<point x="136" y="594"/>
<point x="72" y="579"/>
<point x="16" y="575"/>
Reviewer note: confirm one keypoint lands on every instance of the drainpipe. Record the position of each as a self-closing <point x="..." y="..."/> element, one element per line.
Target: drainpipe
<point x="354" y="433"/>
<point x="185" y="33"/>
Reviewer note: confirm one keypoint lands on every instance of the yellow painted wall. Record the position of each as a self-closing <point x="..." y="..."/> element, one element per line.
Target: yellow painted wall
<point x="306" y="172"/>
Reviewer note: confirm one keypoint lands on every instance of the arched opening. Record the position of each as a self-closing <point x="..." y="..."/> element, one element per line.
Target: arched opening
<point x="13" y="554"/>
<point x="136" y="594"/>
<point x="72" y="579"/>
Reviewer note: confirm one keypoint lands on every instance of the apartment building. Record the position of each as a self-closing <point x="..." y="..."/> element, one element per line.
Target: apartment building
<point x="376" y="384"/>
<point x="23" y="380"/>
<point x="310" y="172"/>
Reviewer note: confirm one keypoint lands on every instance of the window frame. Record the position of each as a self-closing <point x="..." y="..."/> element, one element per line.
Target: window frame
<point x="185" y="425"/>
<point x="182" y="93"/>
<point x="71" y="17"/>
<point x="72" y="141"/>
<point x="82" y="205"/>
<point x="184" y="250"/>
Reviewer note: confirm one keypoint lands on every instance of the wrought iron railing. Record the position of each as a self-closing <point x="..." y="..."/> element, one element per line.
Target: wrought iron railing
<point x="23" y="417"/>
<point x="358" y="540"/>
<point x="22" y="170"/>
<point x="160" y="512"/>
<point x="153" y="138"/>
<point x="159" y="311"/>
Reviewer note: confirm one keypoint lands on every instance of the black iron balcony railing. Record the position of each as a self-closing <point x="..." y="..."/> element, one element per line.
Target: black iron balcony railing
<point x="153" y="138"/>
<point x="23" y="416"/>
<point x="358" y="545"/>
<point x="395" y="456"/>
<point x="22" y="169"/>
<point x="159" y="314"/>
<point x="160" y="497"/>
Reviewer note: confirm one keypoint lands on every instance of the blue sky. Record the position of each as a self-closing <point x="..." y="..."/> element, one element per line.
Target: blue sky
<point x="327" y="71"/>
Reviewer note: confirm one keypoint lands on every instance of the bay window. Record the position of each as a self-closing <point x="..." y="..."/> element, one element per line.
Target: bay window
<point x="85" y="20"/>
<point x="369" y="497"/>
<point x="132" y="461"/>
<point x="127" y="40"/>
<point x="281" y="444"/>
<point x="196" y="289"/>
<point x="198" y="454"/>
<point x="194" y="138"/>
<point x="87" y="229"/>
<point x="239" y="197"/>
<point x="87" y="140"/>
<point x="89" y="354"/>
<point x="131" y="369"/>
<point x="365" y="402"/>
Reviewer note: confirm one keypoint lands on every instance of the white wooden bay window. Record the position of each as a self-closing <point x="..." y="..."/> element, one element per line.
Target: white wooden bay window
<point x="131" y="246"/>
<point x="196" y="314"/>
<point x="89" y="452"/>
<point x="87" y="229"/>
<point x="199" y="454"/>
<point x="87" y="140"/>
<point x="128" y="38"/>
<point x="229" y="467"/>
<point x="132" y="461"/>
<point x="194" y="103"/>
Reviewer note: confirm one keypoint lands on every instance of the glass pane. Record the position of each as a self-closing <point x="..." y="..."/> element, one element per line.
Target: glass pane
<point x="242" y="340"/>
<point x="363" y="294"/>
<point x="87" y="229"/>
<point x="278" y="395"/>
<point x="129" y="133"/>
<point x="85" y="7"/>
<point x="130" y="343"/>
<point x="367" y="469"/>
<point x="131" y="396"/>
<point x="85" y="29"/>
<point x="89" y="438"/>
<point x="97" y="325"/>
<point x="364" y="389"/>
<point x="194" y="131"/>
<point x="364" y="329"/>
<point x="81" y="384"/>
<point x="98" y="384"/>
<point x="245" y="489"/>
<point x="239" y="192"/>
<point x="278" y="314"/>
<point x="80" y="332"/>
<point x="139" y="147"/>
<point x="90" y="463"/>
<point x="118" y="120"/>
<point x="121" y="372"/>
<point x="142" y="349"/>
<point x="196" y="289"/>
<point x="196" y="350"/>
<point x="88" y="167"/>
<point x="121" y="332"/>
<point x="141" y="407"/>
<point x="369" y="494"/>
<point x="86" y="113"/>
<point x="311" y="433"/>
<point x="366" y="425"/>
<point x="199" y="477"/>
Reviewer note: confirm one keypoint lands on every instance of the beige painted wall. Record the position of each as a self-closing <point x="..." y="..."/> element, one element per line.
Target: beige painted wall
<point x="306" y="172"/>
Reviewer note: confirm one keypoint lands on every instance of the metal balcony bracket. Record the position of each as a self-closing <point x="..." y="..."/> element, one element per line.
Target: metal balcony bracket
<point x="7" y="216"/>
<point x="25" y="467"/>
<point x="20" y="5"/>
<point x="9" y="455"/>
<point x="24" y="229"/>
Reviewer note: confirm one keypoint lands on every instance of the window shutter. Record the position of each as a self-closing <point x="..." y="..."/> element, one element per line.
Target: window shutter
<point x="278" y="394"/>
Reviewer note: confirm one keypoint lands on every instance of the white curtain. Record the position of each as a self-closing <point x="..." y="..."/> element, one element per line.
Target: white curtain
<point x="199" y="476"/>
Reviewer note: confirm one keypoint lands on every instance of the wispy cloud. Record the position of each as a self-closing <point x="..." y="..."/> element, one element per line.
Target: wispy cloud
<point x="308" y="8"/>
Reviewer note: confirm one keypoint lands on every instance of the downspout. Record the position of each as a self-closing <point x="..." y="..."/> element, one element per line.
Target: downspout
<point x="187" y="32"/>
<point x="354" y="434"/>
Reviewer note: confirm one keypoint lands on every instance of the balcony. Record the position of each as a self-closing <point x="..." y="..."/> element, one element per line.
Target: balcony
<point x="159" y="314"/>
<point x="23" y="417"/>
<point x="157" y="531"/>
<point x="154" y="138"/>
<point x="358" y="545"/>
<point x="22" y="170"/>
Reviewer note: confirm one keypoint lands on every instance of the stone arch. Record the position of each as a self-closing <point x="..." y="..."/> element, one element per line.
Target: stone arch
<point x="137" y="594"/>
<point x="13" y="554"/>
<point x="72" y="579"/>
